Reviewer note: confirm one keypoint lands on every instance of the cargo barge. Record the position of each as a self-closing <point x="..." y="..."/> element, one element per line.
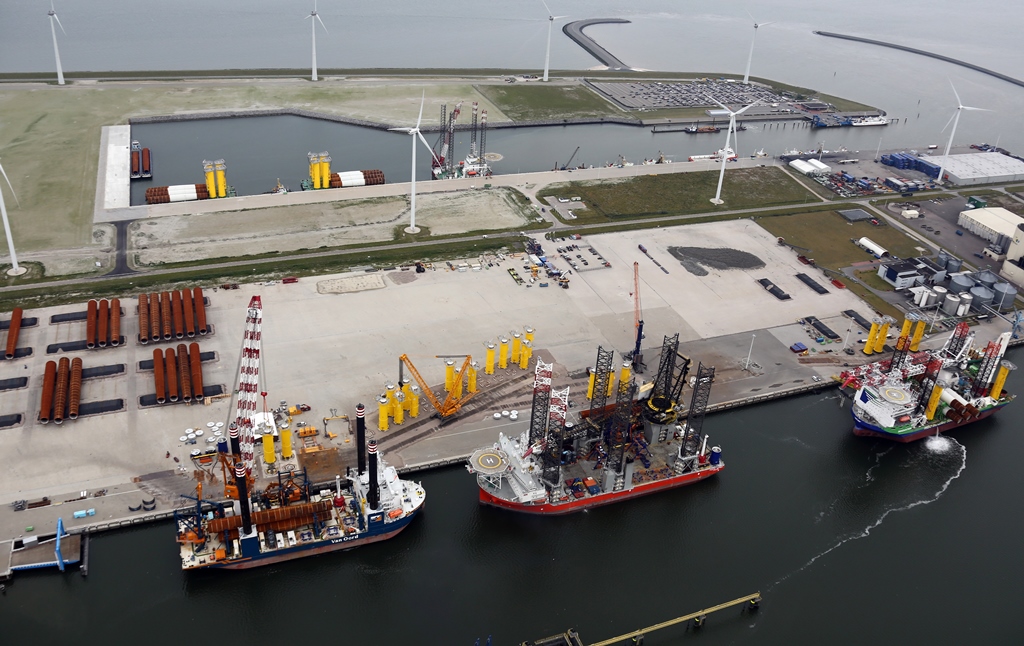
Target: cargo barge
<point x="136" y="166"/>
<point x="638" y="445"/>
<point x="147" y="170"/>
<point x="916" y="394"/>
<point x="729" y="153"/>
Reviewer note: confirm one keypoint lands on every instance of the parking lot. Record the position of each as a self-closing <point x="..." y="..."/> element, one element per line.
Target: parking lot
<point x="653" y="95"/>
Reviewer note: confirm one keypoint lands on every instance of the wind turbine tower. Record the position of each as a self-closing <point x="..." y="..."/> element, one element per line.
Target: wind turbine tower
<point x="15" y="270"/>
<point x="415" y="132"/>
<point x="315" y="18"/>
<point x="750" y="57"/>
<point x="547" y="54"/>
<point x="960" y="107"/>
<point x="56" y="52"/>
<point x="725" y="151"/>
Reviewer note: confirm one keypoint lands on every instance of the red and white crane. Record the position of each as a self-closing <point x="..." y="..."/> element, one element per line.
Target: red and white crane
<point x="247" y="388"/>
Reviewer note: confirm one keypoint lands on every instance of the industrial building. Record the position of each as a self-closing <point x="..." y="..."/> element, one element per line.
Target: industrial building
<point x="810" y="167"/>
<point x="872" y="247"/>
<point x="1013" y="268"/>
<point x="994" y="224"/>
<point x="900" y="273"/>
<point x="979" y="168"/>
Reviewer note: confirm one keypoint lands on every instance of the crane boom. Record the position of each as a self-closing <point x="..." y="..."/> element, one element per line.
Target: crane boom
<point x="638" y="322"/>
<point x="452" y="402"/>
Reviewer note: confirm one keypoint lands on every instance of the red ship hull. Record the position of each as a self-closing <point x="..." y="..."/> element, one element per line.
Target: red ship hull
<point x="570" y="506"/>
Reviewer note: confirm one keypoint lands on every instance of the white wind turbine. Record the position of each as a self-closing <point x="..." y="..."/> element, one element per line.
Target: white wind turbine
<point x="730" y="132"/>
<point x="547" y="55"/>
<point x="315" y="18"/>
<point x="15" y="270"/>
<point x="56" y="52"/>
<point x="415" y="132"/>
<point x="955" y="119"/>
<point x="750" y="57"/>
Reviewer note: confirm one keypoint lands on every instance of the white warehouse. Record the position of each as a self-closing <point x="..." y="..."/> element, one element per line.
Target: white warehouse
<point x="990" y="223"/>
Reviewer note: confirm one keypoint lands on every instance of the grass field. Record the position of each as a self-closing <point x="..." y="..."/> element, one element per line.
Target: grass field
<point x="996" y="198"/>
<point x="528" y="102"/>
<point x="652" y="195"/>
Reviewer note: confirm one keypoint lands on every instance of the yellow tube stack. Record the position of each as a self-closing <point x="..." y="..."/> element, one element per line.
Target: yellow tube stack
<point x="869" y="345"/>
<point x="222" y="181"/>
<point x="1004" y="370"/>
<point x="414" y="401"/>
<point x="211" y="180"/>
<point x="590" y="383"/>
<point x="471" y="377"/>
<point x="286" y="443"/>
<point x="325" y="170"/>
<point x="918" y="333"/>
<point x="268" y="448"/>
<point x="383" y="406"/>
<point x="489" y="361"/>
<point x="933" y="400"/>
<point x="503" y="353"/>
<point x="449" y="375"/>
<point x="516" y="346"/>
<point x="524" y="355"/>
<point x="314" y="169"/>
<point x="398" y="408"/>
<point x="883" y="334"/>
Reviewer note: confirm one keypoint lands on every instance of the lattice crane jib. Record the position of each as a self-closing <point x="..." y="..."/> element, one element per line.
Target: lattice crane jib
<point x="900" y="355"/>
<point x="541" y="402"/>
<point x="552" y="456"/>
<point x="599" y="401"/>
<point x="661" y="404"/>
<point x="617" y="435"/>
<point x="987" y="368"/>
<point x="698" y="406"/>
<point x="483" y="135"/>
<point x="248" y="385"/>
<point x="473" y="129"/>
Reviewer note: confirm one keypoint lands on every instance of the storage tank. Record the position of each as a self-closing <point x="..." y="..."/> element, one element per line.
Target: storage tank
<point x="951" y="304"/>
<point x="937" y="296"/>
<point x="953" y="264"/>
<point x="1003" y="296"/>
<point x="942" y="259"/>
<point x="982" y="296"/>
<point x="920" y="296"/>
<point x="986" y="278"/>
<point x="966" y="299"/>
<point x="929" y="299"/>
<point x="961" y="283"/>
<point x="963" y="309"/>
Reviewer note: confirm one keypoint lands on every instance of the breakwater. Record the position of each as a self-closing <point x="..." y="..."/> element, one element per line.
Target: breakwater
<point x="921" y="52"/>
<point x="574" y="30"/>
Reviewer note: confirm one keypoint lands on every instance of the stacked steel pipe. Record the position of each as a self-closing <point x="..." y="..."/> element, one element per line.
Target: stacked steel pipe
<point x="103" y="324"/>
<point x="46" y="401"/>
<point x="115" y="322"/>
<point x="13" y="329"/>
<point x="177" y="315"/>
<point x="200" y="307"/>
<point x="60" y="396"/>
<point x="158" y="376"/>
<point x="75" y="388"/>
<point x="178" y="193"/>
<point x="190" y="320"/>
<point x="172" y="375"/>
<point x="90" y="324"/>
<point x="184" y="373"/>
<point x="144" y="319"/>
<point x="197" y="371"/>
<point x="165" y="315"/>
<point x="356" y="178"/>
<point x="154" y="317"/>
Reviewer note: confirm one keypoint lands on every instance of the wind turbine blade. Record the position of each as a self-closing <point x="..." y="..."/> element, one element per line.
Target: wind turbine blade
<point x="546" y="7"/>
<point x="559" y="17"/>
<point x="964" y="107"/>
<point x="4" y="173"/>
<point x="951" y="117"/>
<point x="423" y="98"/>
<point x="715" y="101"/>
<point x="405" y="130"/>
<point x="747" y="108"/>
<point x="424" y="140"/>
<point x="322" y="23"/>
<point x="762" y="24"/>
<point x="59" y="25"/>
<point x="955" y="93"/>
<point x="751" y="17"/>
<point x="309" y="16"/>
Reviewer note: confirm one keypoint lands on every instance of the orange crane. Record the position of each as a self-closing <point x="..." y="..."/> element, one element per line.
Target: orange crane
<point x="638" y="323"/>
<point x="452" y="402"/>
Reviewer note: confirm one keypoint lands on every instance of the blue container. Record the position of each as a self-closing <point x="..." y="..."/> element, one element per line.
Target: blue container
<point x="222" y="445"/>
<point x="716" y="455"/>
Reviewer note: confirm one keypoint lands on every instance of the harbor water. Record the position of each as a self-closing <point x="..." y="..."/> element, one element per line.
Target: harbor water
<point x="849" y="540"/>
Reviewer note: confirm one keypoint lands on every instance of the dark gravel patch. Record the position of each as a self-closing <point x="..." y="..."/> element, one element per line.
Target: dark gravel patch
<point x="695" y="259"/>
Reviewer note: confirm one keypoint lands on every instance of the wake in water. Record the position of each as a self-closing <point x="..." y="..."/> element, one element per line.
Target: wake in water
<point x="937" y="445"/>
<point x="869" y="477"/>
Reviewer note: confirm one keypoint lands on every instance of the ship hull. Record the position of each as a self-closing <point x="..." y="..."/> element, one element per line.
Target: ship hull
<point x="571" y="506"/>
<point x="302" y="551"/>
<point x="862" y="428"/>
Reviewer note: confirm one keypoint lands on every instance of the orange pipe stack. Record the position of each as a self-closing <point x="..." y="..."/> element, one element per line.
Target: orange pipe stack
<point x="197" y="371"/>
<point x="176" y="314"/>
<point x="60" y="395"/>
<point x="13" y="329"/>
<point x="90" y="325"/>
<point x="154" y="317"/>
<point x="165" y="315"/>
<point x="200" y="307"/>
<point x="190" y="320"/>
<point x="46" y="402"/>
<point x="184" y="374"/>
<point x="115" y="322"/>
<point x="172" y="375"/>
<point x="103" y="323"/>
<point x="144" y="319"/>
<point x="158" y="376"/>
<point x="75" y="388"/>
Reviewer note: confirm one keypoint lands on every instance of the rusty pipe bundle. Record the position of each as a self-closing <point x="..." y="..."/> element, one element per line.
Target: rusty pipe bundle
<point x="75" y="388"/>
<point x="200" y="307"/>
<point x="154" y="317"/>
<point x="90" y="324"/>
<point x="60" y="395"/>
<point x="143" y="319"/>
<point x="165" y="315"/>
<point x="13" y="329"/>
<point x="184" y="374"/>
<point x="176" y="315"/>
<point x="115" y="322"/>
<point x="103" y="323"/>
<point x="190" y="318"/>
<point x="158" y="376"/>
<point x="172" y="375"/>
<point x="197" y="371"/>
<point x="46" y="401"/>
